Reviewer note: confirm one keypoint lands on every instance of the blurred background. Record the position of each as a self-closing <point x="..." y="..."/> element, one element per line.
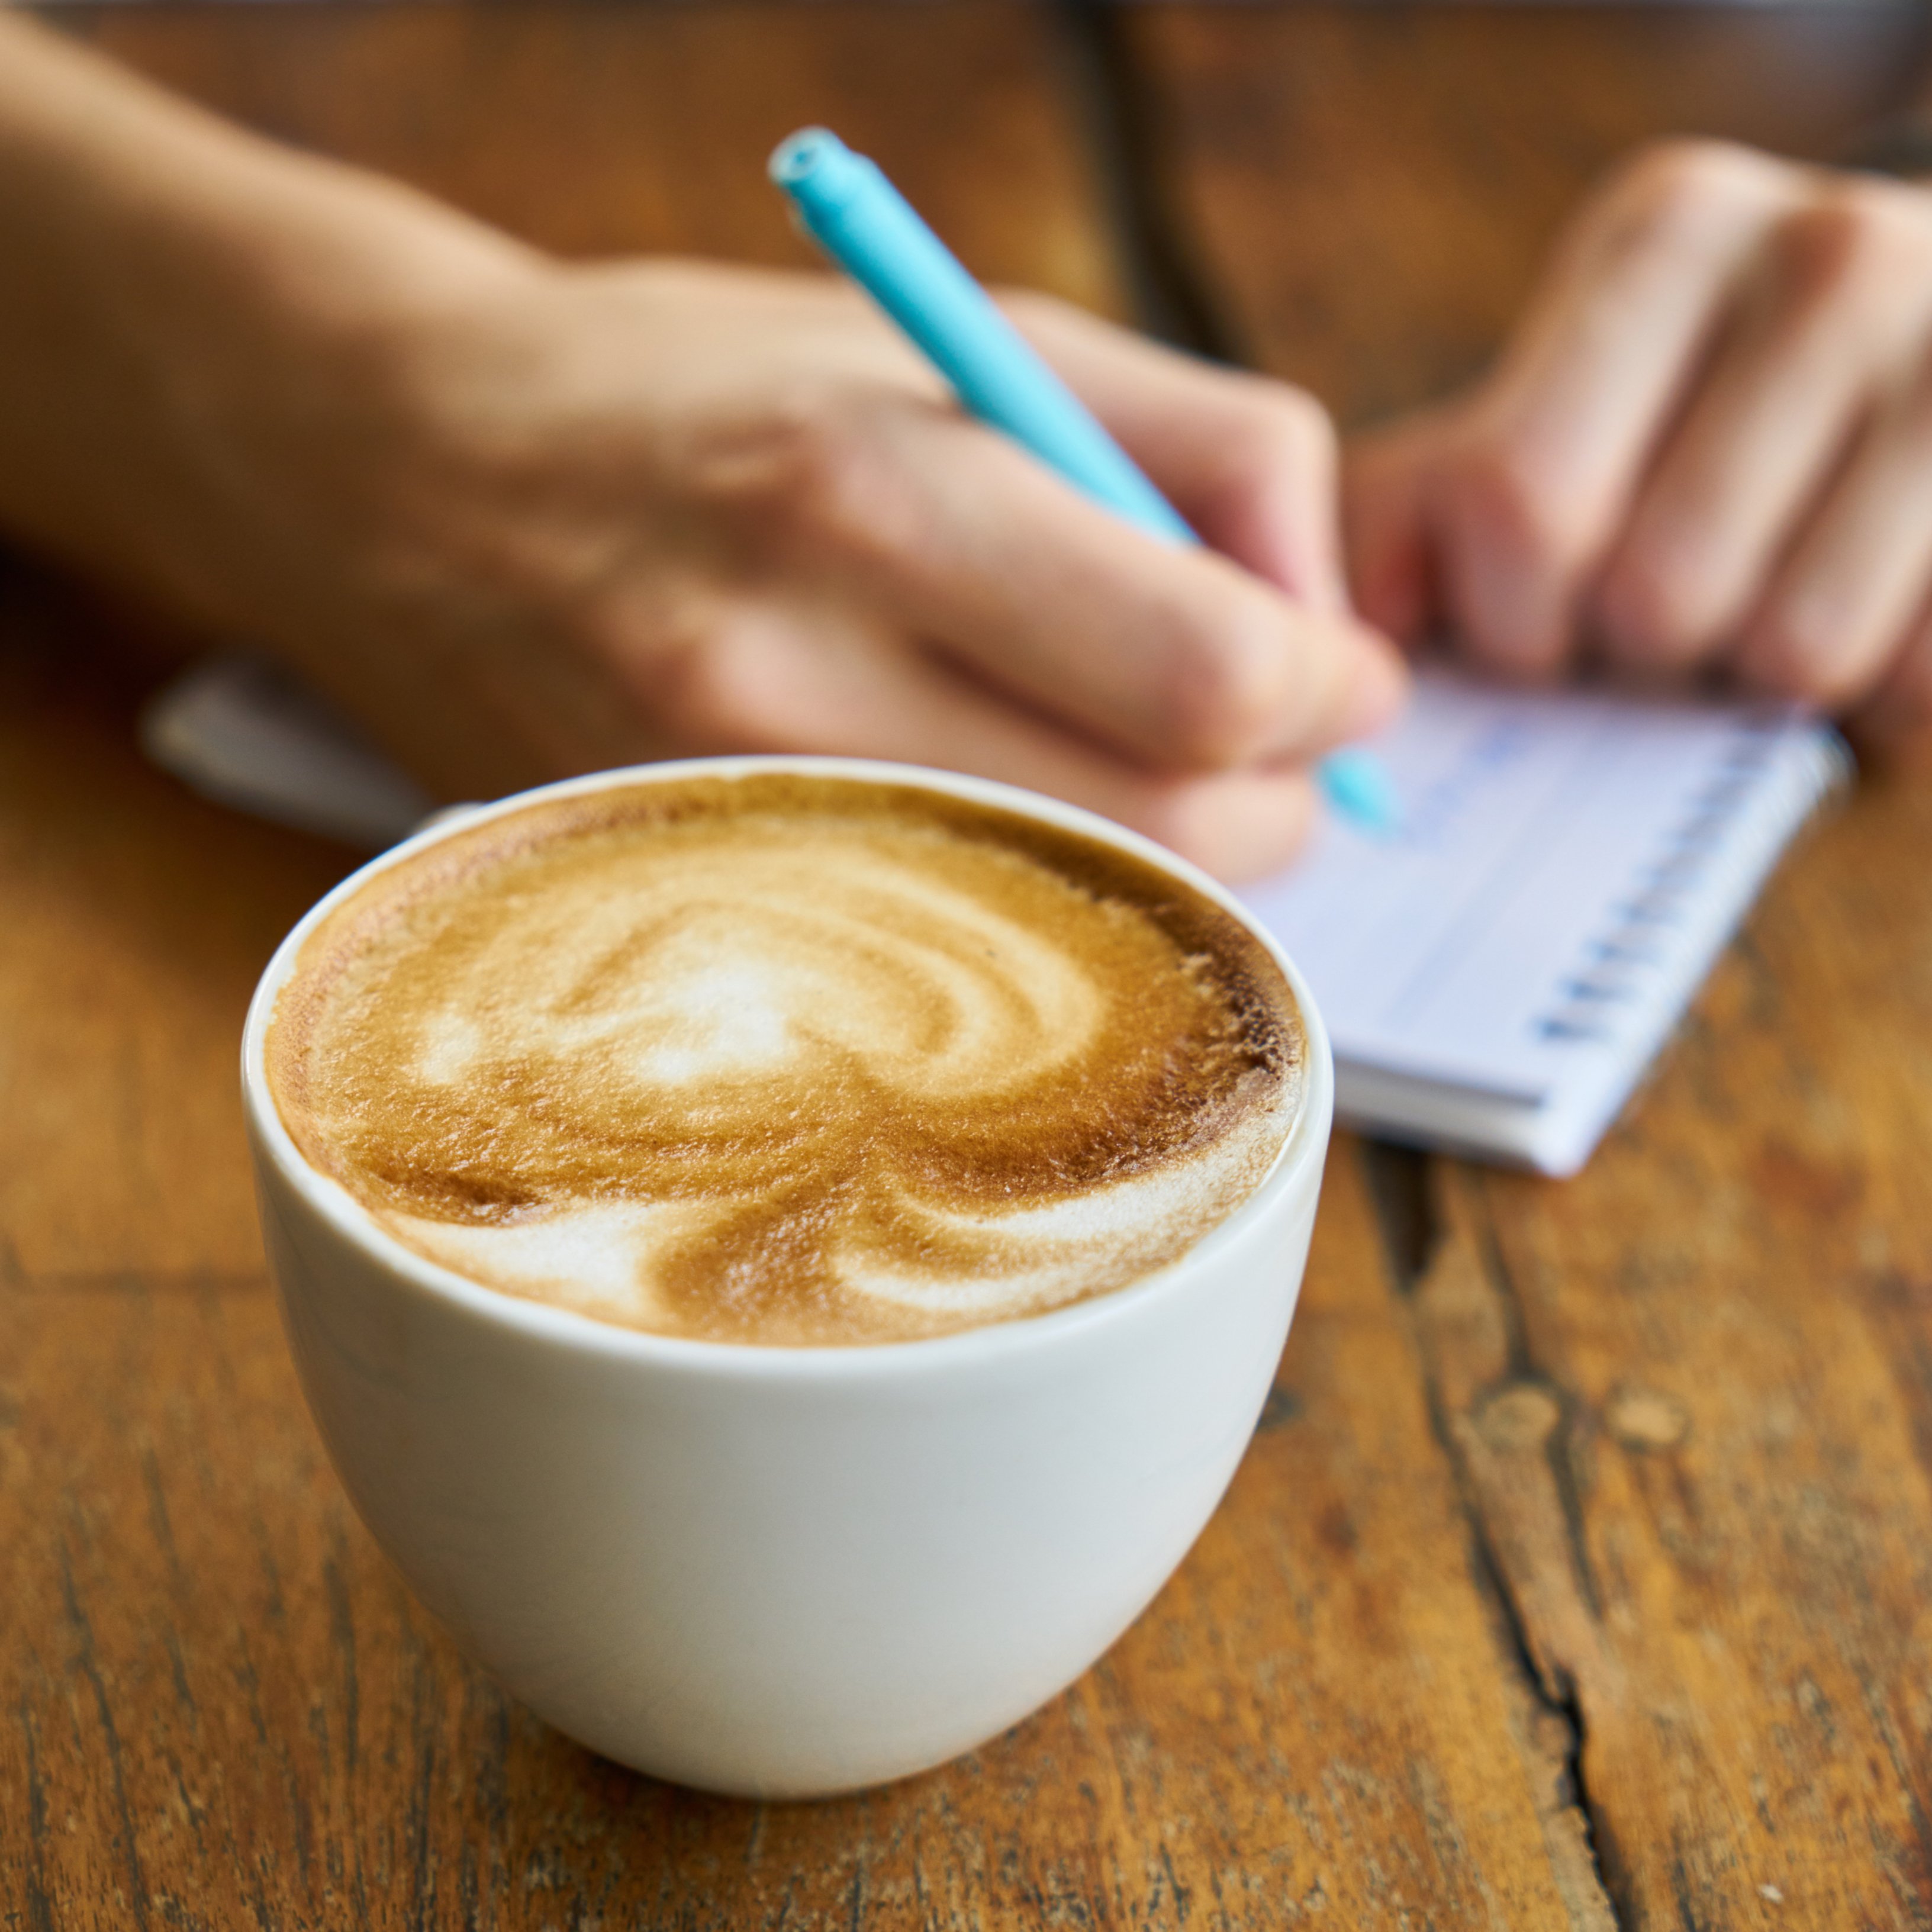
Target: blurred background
<point x="1353" y="195"/>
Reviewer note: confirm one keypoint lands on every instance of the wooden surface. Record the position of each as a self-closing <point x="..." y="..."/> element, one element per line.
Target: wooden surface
<point x="1581" y="1574"/>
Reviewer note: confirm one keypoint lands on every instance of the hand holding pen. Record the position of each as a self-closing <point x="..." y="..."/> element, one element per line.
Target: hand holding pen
<point x="846" y="204"/>
<point x="520" y="517"/>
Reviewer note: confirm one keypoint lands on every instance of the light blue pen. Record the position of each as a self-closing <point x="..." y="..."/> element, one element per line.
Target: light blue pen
<point x="847" y="206"/>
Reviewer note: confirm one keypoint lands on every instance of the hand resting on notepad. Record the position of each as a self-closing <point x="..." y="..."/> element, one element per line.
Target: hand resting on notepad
<point x="1708" y="445"/>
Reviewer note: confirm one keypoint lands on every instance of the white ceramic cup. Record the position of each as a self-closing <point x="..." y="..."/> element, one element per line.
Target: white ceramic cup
<point x="780" y="1572"/>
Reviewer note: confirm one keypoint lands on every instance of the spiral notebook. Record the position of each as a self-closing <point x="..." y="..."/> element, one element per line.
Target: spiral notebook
<point x="1496" y="975"/>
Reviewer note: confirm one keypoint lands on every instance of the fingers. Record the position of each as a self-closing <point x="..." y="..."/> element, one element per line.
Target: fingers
<point x="806" y="678"/>
<point x="1388" y="481"/>
<point x="1846" y="596"/>
<point x="1494" y="513"/>
<point x="1711" y="438"/>
<point x="1552" y="452"/>
<point x="1843" y="294"/>
<point x="1250" y="464"/>
<point x="1169" y="656"/>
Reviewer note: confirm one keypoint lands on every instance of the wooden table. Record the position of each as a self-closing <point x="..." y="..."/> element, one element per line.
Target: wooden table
<point x="1580" y="1575"/>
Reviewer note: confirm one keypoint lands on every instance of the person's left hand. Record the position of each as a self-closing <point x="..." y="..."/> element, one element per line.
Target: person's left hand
<point x="1708" y="442"/>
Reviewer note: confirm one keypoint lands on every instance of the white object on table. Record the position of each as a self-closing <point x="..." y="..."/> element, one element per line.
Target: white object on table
<point x="247" y="734"/>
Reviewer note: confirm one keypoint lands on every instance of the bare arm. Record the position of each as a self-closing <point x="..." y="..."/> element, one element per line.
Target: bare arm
<point x="525" y="517"/>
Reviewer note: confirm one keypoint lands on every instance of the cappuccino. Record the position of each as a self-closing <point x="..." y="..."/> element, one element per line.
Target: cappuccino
<point x="784" y="1059"/>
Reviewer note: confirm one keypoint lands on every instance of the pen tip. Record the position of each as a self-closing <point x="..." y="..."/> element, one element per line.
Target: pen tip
<point x="1357" y="784"/>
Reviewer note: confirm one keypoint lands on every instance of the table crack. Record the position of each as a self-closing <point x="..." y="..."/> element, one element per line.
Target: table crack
<point x="1125" y="142"/>
<point x="1503" y="1436"/>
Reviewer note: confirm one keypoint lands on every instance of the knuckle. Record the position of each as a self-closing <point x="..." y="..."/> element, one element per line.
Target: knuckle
<point x="1030" y="309"/>
<point x="1510" y="508"/>
<point x="1677" y="200"/>
<point x="1651" y="613"/>
<point x="1784" y="658"/>
<point x="832" y="479"/>
<point x="1175" y="816"/>
<point x="816" y="470"/>
<point x="1233" y="831"/>
<point x="1221" y="689"/>
<point x="1294" y="417"/>
<point x="1796" y="650"/>
<point x="1284" y="431"/>
<point x="1680" y="179"/>
<point x="712" y="690"/>
<point x="1863" y="245"/>
<point x="1819" y="244"/>
<point x="689" y="692"/>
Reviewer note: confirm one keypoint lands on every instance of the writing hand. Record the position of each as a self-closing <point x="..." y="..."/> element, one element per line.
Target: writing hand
<point x="525" y="517"/>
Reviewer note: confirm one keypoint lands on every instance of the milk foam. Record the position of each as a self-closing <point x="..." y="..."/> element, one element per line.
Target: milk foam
<point x="786" y="1060"/>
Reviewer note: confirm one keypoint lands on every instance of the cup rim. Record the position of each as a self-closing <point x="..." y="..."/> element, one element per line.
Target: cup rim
<point x="542" y="1324"/>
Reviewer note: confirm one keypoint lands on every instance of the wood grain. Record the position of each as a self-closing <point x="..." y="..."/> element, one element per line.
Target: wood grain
<point x="1692" y="1393"/>
<point x="1578" y="1575"/>
<point x="223" y="1709"/>
<point x="136" y="921"/>
<point x="1689" y="1395"/>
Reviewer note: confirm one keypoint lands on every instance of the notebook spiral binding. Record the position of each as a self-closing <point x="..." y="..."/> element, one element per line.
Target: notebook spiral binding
<point x="1610" y="978"/>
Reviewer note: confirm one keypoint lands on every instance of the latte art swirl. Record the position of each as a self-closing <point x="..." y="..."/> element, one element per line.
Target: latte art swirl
<point x="786" y="1060"/>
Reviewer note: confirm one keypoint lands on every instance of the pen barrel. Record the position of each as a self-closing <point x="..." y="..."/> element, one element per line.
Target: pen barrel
<point x="865" y="224"/>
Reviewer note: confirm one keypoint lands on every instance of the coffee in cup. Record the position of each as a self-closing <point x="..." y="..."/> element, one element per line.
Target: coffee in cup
<point x="786" y="1059"/>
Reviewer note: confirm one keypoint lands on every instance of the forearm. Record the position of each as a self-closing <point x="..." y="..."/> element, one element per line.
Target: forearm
<point x="148" y="253"/>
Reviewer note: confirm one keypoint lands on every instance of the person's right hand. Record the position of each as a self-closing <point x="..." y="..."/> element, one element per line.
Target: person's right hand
<point x="584" y="516"/>
<point x="525" y="518"/>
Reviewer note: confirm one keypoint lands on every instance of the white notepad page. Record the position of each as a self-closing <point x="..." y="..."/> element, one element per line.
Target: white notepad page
<point x="1496" y="975"/>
